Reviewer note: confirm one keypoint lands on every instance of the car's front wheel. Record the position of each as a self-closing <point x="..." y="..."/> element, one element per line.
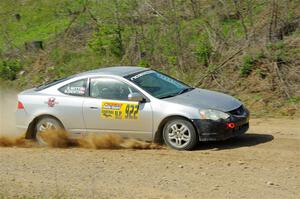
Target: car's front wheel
<point x="180" y="134"/>
<point x="46" y="124"/>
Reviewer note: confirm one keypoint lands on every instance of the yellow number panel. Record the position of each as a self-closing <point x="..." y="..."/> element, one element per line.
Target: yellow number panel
<point x="120" y="111"/>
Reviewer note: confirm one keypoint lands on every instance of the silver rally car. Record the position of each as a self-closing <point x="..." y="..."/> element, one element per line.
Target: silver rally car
<point x="133" y="102"/>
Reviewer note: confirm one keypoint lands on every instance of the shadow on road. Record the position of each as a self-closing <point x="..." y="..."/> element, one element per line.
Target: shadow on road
<point x="249" y="139"/>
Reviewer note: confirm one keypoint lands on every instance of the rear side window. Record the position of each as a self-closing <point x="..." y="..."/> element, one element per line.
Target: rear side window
<point x="77" y="88"/>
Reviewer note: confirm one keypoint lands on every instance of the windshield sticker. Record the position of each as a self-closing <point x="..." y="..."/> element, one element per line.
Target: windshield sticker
<point x="75" y="90"/>
<point x="170" y="80"/>
<point x="141" y="74"/>
<point x="120" y="111"/>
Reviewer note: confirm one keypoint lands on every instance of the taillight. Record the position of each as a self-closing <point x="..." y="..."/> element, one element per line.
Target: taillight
<point x="20" y="105"/>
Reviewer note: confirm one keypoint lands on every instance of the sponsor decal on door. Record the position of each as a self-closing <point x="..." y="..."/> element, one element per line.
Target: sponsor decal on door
<point x="120" y="111"/>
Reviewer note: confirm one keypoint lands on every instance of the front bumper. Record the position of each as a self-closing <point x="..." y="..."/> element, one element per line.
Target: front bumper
<point x="209" y="130"/>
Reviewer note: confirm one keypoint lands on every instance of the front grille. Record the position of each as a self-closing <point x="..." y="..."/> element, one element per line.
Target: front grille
<point x="238" y="111"/>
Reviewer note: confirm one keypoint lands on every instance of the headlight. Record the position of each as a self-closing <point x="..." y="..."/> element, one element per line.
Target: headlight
<point x="213" y="114"/>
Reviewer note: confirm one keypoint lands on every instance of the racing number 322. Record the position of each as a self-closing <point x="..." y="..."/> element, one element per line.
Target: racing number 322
<point x="131" y="111"/>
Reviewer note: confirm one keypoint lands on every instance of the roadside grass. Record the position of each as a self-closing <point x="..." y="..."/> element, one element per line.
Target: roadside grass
<point x="38" y="20"/>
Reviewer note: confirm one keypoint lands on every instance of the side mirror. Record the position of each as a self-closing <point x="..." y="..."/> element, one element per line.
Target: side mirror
<point x="136" y="97"/>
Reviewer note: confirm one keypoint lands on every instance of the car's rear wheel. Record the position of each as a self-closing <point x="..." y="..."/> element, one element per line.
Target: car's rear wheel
<point x="46" y="124"/>
<point x="180" y="134"/>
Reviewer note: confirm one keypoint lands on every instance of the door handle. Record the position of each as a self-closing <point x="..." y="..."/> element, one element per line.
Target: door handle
<point x="94" y="107"/>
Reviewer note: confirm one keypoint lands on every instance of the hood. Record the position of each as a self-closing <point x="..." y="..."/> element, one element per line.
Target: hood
<point x="205" y="99"/>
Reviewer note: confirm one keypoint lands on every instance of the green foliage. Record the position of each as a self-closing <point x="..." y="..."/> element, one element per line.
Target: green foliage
<point x="256" y="58"/>
<point x="143" y="63"/>
<point x="40" y="20"/>
<point x="211" y="68"/>
<point x="282" y="52"/>
<point x="232" y="26"/>
<point x="204" y="51"/>
<point x="260" y="73"/>
<point x="71" y="62"/>
<point x="108" y="40"/>
<point x="247" y="65"/>
<point x="294" y="100"/>
<point x="172" y="60"/>
<point x="260" y="55"/>
<point x="278" y="51"/>
<point x="297" y="32"/>
<point x="276" y="46"/>
<point x="55" y="54"/>
<point x="9" y="69"/>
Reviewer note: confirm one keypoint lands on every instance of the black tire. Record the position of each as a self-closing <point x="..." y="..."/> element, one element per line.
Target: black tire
<point x="180" y="134"/>
<point x="45" y="124"/>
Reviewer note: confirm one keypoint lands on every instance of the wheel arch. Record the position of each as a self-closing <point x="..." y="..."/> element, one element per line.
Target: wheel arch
<point x="158" y="136"/>
<point x="30" y="133"/>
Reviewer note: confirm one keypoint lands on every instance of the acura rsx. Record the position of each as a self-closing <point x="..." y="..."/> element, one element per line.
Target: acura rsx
<point x="133" y="102"/>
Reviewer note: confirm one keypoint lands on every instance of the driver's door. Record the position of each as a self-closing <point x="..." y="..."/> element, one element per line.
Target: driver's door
<point x="108" y="110"/>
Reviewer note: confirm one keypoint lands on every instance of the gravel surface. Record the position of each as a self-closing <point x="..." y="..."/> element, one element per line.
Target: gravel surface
<point x="264" y="163"/>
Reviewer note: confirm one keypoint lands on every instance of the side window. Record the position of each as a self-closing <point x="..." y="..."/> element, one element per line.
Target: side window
<point x="77" y="88"/>
<point x="108" y="88"/>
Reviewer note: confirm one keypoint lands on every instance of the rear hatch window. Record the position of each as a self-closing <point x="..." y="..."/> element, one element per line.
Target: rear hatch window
<point x="51" y="83"/>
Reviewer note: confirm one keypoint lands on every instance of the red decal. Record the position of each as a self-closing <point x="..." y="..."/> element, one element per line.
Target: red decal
<point x="52" y="102"/>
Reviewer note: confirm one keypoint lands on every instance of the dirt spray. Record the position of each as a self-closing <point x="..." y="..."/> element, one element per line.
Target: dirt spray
<point x="8" y="106"/>
<point x="61" y="139"/>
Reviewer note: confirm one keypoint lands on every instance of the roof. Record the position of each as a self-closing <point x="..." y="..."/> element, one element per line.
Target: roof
<point x="117" y="70"/>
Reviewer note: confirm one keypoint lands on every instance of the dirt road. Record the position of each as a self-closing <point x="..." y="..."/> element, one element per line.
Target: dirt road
<point x="265" y="163"/>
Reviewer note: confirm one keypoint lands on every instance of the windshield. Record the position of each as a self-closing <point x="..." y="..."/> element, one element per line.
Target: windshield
<point x="158" y="85"/>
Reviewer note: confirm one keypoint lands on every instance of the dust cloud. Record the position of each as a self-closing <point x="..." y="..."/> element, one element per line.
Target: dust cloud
<point x="111" y="141"/>
<point x="61" y="139"/>
<point x="8" y="106"/>
<point x="93" y="141"/>
<point x="20" y="141"/>
<point x="8" y="132"/>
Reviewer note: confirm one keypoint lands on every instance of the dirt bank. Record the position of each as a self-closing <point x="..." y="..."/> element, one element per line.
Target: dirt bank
<point x="265" y="163"/>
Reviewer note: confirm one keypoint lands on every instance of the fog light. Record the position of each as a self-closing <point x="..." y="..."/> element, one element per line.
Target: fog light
<point x="230" y="125"/>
